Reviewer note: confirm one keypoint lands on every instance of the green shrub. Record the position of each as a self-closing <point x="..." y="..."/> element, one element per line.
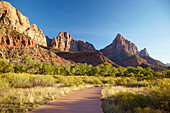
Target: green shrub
<point x="160" y="94"/>
<point x="92" y="80"/>
<point x="147" y="110"/>
<point x="120" y="81"/>
<point x="42" y="80"/>
<point x="135" y="83"/>
<point x="128" y="101"/>
<point x="111" y="81"/>
<point x="69" y="81"/>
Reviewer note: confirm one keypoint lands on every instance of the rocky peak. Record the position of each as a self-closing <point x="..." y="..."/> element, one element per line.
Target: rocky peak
<point x="119" y="37"/>
<point x="64" y="42"/>
<point x="143" y="53"/>
<point x="14" y="18"/>
<point x="120" y="44"/>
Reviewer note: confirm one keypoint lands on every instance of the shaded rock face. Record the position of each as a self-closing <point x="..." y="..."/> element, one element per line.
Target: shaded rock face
<point x="94" y="58"/>
<point x="13" y="18"/>
<point x="48" y="41"/>
<point x="152" y="61"/>
<point x="64" y="42"/>
<point x="134" y="61"/>
<point x="143" y="53"/>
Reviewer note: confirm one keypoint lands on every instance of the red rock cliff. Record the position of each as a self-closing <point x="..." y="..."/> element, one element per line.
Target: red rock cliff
<point x="64" y="42"/>
<point x="120" y="44"/>
<point x="13" y="18"/>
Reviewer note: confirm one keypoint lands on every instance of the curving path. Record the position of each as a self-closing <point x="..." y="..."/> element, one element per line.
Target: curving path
<point x="83" y="101"/>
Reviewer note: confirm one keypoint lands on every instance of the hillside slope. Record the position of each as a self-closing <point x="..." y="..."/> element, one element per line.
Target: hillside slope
<point x="94" y="58"/>
<point x="16" y="46"/>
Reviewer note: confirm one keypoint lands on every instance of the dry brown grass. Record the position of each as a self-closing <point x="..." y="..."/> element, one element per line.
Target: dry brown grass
<point x="109" y="91"/>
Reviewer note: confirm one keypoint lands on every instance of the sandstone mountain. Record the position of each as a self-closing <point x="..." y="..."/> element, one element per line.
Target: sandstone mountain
<point x="16" y="46"/>
<point x="125" y="53"/>
<point x="64" y="42"/>
<point x="94" y="58"/>
<point x="16" y="32"/>
<point x="13" y="18"/>
<point x="11" y="38"/>
<point x="118" y="45"/>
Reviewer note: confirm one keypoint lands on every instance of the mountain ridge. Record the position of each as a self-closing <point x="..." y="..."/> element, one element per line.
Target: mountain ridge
<point x="121" y="51"/>
<point x="125" y="53"/>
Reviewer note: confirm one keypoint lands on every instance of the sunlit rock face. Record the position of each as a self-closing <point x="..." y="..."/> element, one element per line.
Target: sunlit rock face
<point x="143" y="53"/>
<point x="64" y="42"/>
<point x="13" y="18"/>
<point x="17" y="41"/>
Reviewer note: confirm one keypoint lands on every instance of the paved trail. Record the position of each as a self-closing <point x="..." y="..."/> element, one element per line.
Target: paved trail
<point x="83" y="101"/>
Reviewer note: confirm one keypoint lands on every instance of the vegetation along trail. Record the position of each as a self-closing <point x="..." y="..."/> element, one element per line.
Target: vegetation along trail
<point x="83" y="101"/>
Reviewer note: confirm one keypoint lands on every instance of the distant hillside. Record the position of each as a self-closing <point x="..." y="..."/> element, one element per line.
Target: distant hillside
<point x="94" y="58"/>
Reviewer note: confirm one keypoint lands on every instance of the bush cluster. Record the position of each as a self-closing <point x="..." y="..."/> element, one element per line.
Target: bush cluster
<point x="25" y="80"/>
<point x="154" y="100"/>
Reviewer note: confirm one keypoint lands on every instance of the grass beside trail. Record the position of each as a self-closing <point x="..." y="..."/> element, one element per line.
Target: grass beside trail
<point x="23" y="92"/>
<point x="155" y="98"/>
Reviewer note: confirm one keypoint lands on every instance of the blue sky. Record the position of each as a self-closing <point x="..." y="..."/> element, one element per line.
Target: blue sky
<point x="144" y="22"/>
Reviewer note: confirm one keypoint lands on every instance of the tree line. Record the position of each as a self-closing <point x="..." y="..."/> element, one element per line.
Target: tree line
<point x="28" y="65"/>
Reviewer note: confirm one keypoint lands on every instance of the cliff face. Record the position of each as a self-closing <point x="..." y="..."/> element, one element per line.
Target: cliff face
<point x="94" y="58"/>
<point x="120" y="51"/>
<point x="64" y="42"/>
<point x="12" y="38"/>
<point x="48" y="41"/>
<point x="16" y="45"/>
<point x="13" y="18"/>
<point x="118" y="45"/>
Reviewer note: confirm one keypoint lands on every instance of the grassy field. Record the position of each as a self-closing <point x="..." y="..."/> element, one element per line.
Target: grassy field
<point x="23" y="92"/>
